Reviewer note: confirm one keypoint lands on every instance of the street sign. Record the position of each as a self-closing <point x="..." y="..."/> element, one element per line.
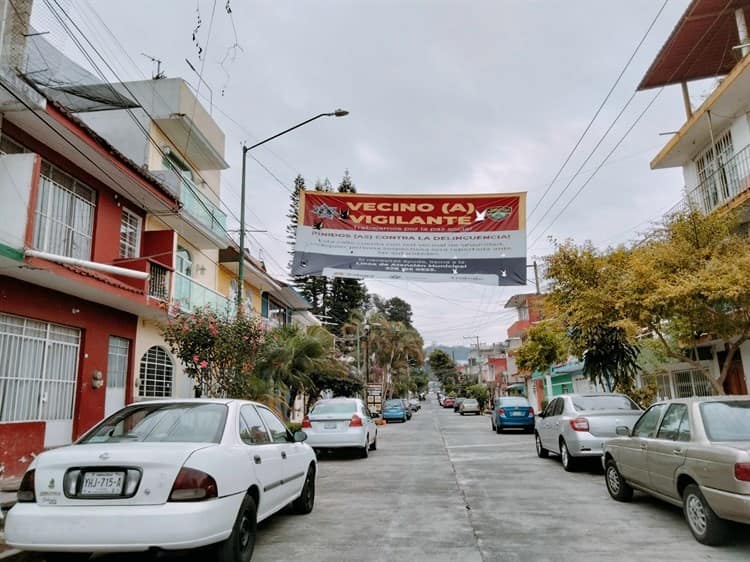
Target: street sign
<point x="374" y="397"/>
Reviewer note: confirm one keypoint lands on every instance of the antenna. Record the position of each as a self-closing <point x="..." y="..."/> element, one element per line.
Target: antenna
<point x="159" y="73"/>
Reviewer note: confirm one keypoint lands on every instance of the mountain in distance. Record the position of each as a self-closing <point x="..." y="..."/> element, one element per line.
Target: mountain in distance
<point x="459" y="353"/>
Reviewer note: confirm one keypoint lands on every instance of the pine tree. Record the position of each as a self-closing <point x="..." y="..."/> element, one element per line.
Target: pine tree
<point x="293" y="217"/>
<point x="347" y="185"/>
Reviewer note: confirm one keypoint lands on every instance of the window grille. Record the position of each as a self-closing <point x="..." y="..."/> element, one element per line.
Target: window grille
<point x="130" y="234"/>
<point x="64" y="215"/>
<point x="717" y="173"/>
<point x="156" y="374"/>
<point x="692" y="382"/>
<point x="9" y="146"/>
<point x="38" y="370"/>
<point x="117" y="362"/>
<point x="158" y="282"/>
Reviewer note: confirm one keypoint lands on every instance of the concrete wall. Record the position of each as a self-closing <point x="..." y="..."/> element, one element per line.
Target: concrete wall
<point x="17" y="175"/>
<point x="149" y="335"/>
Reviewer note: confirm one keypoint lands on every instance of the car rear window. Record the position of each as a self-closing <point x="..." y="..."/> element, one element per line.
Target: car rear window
<point x="165" y="423"/>
<point x="727" y="421"/>
<point x="470" y="401"/>
<point x="513" y="402"/>
<point x="392" y="403"/>
<point x="334" y="408"/>
<point x="588" y="403"/>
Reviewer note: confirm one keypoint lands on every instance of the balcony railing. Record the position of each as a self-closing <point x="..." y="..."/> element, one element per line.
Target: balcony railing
<point x="730" y="178"/>
<point x="200" y="207"/>
<point x="189" y="294"/>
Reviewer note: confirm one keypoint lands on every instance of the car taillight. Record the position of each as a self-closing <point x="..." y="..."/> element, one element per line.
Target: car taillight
<point x="26" y="489"/>
<point x="742" y="471"/>
<point x="531" y="411"/>
<point x="356" y="421"/>
<point x="579" y="424"/>
<point x="306" y="423"/>
<point x="501" y="411"/>
<point x="193" y="485"/>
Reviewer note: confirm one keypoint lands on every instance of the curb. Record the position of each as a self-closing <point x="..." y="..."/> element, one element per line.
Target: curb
<point x="12" y="555"/>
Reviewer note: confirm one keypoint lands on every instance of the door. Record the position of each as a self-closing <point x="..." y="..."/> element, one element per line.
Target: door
<point x="265" y="457"/>
<point x="293" y="459"/>
<point x="117" y="373"/>
<point x="548" y="424"/>
<point x="632" y="462"/>
<point x="666" y="453"/>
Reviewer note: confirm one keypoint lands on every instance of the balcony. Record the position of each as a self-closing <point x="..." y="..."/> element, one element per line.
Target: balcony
<point x="723" y="185"/>
<point x="198" y="209"/>
<point x="189" y="294"/>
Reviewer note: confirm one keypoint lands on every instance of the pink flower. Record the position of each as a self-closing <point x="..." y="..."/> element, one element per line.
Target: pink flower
<point x="214" y="332"/>
<point x="245" y="338"/>
<point x="203" y="364"/>
<point x="196" y="358"/>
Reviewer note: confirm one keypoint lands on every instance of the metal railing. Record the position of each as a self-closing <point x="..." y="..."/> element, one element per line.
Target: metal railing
<point x="730" y="178"/>
<point x="189" y="294"/>
<point x="158" y="282"/>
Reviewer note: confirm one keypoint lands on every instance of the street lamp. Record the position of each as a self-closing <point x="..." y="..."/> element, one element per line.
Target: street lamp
<point x="245" y="150"/>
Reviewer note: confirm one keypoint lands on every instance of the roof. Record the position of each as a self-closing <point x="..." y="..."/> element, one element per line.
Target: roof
<point x="520" y="300"/>
<point x="700" y="46"/>
<point x="103" y="277"/>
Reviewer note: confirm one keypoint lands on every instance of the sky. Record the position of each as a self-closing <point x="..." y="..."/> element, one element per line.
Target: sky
<point x="445" y="97"/>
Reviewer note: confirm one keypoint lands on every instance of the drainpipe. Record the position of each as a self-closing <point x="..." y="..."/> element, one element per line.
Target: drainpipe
<point x="739" y="16"/>
<point x="103" y="267"/>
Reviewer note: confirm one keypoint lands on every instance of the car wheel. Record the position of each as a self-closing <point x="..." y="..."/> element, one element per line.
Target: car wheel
<point x="364" y="451"/>
<point x="541" y="452"/>
<point x="66" y="556"/>
<point x="240" y="544"/>
<point x="707" y="527"/>
<point x="374" y="444"/>
<point x="498" y="428"/>
<point x="492" y="424"/>
<point x="305" y="502"/>
<point x="568" y="461"/>
<point x="616" y="485"/>
<point x="462" y="413"/>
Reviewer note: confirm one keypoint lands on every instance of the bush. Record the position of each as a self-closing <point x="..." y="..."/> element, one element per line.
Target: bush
<point x="293" y="427"/>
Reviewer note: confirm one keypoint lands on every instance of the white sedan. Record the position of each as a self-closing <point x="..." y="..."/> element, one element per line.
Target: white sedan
<point x="341" y="422"/>
<point x="170" y="475"/>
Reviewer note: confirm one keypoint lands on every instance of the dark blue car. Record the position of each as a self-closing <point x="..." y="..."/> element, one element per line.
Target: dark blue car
<point x="394" y="410"/>
<point x="512" y="412"/>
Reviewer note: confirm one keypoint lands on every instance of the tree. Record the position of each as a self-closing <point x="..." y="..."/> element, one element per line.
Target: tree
<point x="444" y="369"/>
<point x="393" y="344"/>
<point x="347" y="185"/>
<point x="545" y="345"/>
<point x="395" y="309"/>
<point x="480" y="392"/>
<point x="293" y="218"/>
<point x="217" y="351"/>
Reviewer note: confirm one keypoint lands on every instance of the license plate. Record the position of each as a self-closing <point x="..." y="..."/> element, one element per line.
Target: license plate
<point x="102" y="483"/>
<point x="329" y="426"/>
<point x="517" y="414"/>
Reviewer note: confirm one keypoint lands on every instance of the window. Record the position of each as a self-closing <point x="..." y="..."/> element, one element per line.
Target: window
<point x="717" y="173"/>
<point x="130" y="234"/>
<point x="692" y="382"/>
<point x="156" y="374"/>
<point x="117" y="364"/>
<point x="347" y="408"/>
<point x="171" y="161"/>
<point x="603" y="402"/>
<point x="277" y="428"/>
<point x="38" y="370"/>
<point x="727" y="421"/>
<point x="9" y="146"/>
<point x="252" y="430"/>
<point x="64" y="215"/>
<point x="162" y="423"/>
<point x="184" y="261"/>
<point x="559" y="407"/>
<point x="647" y="423"/>
<point x="675" y="425"/>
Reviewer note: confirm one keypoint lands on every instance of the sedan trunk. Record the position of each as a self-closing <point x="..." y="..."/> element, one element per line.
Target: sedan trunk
<point x="604" y="423"/>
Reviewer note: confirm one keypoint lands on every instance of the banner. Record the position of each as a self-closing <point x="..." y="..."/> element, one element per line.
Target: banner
<point x="462" y="238"/>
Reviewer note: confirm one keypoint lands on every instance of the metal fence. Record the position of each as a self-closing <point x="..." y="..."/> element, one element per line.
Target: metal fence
<point x="730" y="178"/>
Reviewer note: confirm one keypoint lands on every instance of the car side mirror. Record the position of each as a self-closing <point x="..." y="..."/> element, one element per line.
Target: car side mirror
<point x="622" y="430"/>
<point x="540" y="415"/>
<point x="300" y="436"/>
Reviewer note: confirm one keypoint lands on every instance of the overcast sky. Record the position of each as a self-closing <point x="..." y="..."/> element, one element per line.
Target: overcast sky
<point x="446" y="96"/>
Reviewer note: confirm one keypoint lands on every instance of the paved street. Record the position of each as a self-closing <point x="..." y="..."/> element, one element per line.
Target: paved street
<point x="444" y="487"/>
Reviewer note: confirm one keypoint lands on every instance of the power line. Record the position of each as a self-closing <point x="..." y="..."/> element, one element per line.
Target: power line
<point x="599" y="109"/>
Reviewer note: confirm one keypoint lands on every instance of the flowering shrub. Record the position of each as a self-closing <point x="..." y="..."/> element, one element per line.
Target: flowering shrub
<point x="217" y="351"/>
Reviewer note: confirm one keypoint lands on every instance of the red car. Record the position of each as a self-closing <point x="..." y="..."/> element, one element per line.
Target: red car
<point x="449" y="402"/>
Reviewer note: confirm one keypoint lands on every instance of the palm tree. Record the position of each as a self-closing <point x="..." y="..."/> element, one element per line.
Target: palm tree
<point x="393" y="345"/>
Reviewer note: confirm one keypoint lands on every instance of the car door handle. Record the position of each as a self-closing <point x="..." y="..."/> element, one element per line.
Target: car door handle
<point x="283" y="454"/>
<point x="257" y="459"/>
<point x="644" y="446"/>
<point x="678" y="451"/>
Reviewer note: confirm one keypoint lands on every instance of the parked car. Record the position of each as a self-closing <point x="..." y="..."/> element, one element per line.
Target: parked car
<point x="469" y="406"/>
<point x="693" y="453"/>
<point x="512" y="412"/>
<point x="457" y="403"/>
<point x="449" y="402"/>
<point x="172" y="474"/>
<point x="339" y="423"/>
<point x="414" y="404"/>
<point x="576" y="426"/>
<point x="407" y="407"/>
<point x="394" y="410"/>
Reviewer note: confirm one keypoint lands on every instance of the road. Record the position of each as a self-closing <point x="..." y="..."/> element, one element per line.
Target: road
<point x="445" y="487"/>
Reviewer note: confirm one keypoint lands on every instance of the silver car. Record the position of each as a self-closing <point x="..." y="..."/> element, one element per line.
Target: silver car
<point x="469" y="406"/>
<point x="693" y="453"/>
<point x="576" y="426"/>
<point x="341" y="422"/>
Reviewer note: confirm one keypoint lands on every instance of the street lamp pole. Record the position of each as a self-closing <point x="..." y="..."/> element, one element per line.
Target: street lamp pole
<point x="245" y="150"/>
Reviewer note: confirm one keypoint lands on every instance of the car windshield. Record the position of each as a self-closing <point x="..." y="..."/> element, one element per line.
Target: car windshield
<point x="470" y="402"/>
<point x="393" y="404"/>
<point x="603" y="402"/>
<point x="727" y="421"/>
<point x="165" y="423"/>
<point x="324" y="408"/>
<point x="513" y="402"/>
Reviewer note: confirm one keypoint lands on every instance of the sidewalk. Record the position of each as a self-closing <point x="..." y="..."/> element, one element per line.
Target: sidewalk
<point x="7" y="500"/>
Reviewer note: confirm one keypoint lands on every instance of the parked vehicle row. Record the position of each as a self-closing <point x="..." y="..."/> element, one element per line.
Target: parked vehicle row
<point x="693" y="452"/>
<point x="512" y="412"/>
